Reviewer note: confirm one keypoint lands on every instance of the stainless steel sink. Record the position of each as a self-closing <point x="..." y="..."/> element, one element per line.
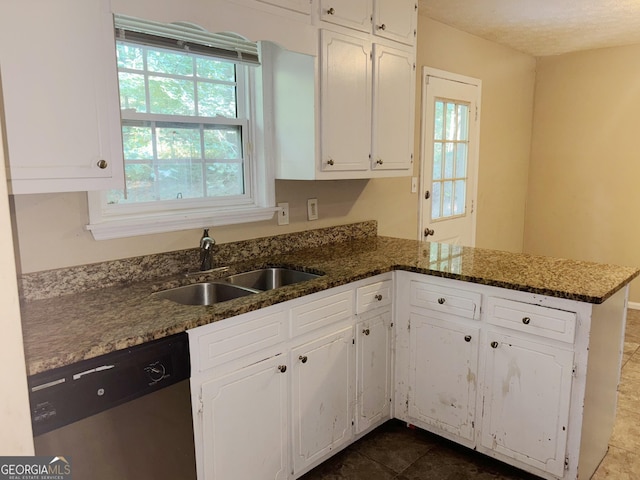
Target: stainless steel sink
<point x="204" y="293"/>
<point x="269" y="278"/>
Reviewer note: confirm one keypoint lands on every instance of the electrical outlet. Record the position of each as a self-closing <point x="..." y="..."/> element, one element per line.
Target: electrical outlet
<point x="283" y="214"/>
<point x="312" y="209"/>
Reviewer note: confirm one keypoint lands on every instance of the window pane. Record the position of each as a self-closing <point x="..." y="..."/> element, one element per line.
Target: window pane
<point x="216" y="70"/>
<point x="216" y="99"/>
<point x="448" y="159"/>
<point x="463" y="122"/>
<point x="177" y="142"/>
<point x="436" y="201"/>
<point x="137" y="142"/>
<point x="437" y="161"/>
<point x="179" y="180"/>
<point x="132" y="92"/>
<point x="225" y="179"/>
<point x="223" y="143"/>
<point x="169" y="62"/>
<point x="447" y="198"/>
<point x="461" y="160"/>
<point x="438" y="121"/>
<point x="140" y="183"/>
<point x="129" y="56"/>
<point x="171" y="96"/>
<point x="451" y="121"/>
<point x="459" y="197"/>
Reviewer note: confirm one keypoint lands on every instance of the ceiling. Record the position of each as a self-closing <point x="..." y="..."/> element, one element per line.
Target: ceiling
<point x="542" y="27"/>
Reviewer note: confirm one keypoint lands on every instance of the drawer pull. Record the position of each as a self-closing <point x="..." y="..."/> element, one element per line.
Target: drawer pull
<point x="366" y="331"/>
<point x="441" y="300"/>
<point x="526" y="320"/>
<point x="282" y="368"/>
<point x="378" y="297"/>
<point x="494" y="344"/>
<point x="303" y="358"/>
<point x="467" y="338"/>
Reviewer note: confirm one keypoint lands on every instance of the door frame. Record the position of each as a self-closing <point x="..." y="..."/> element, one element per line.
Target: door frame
<point x="473" y="188"/>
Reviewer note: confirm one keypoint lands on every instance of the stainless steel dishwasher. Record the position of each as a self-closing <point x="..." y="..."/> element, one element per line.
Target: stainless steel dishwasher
<point x="124" y="415"/>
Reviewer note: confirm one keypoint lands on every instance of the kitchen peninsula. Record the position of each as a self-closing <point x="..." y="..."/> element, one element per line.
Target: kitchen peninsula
<point x="515" y="331"/>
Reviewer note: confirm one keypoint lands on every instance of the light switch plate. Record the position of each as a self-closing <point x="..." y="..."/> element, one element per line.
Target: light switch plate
<point x="312" y="209"/>
<point x="283" y="214"/>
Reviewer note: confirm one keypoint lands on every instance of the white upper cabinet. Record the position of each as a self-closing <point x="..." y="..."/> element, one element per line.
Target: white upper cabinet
<point x="60" y="94"/>
<point x="345" y="102"/>
<point x="396" y="20"/>
<point x="393" y="108"/>
<point x="354" y="14"/>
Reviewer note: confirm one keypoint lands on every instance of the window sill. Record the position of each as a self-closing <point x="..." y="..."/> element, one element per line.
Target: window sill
<point x="133" y="225"/>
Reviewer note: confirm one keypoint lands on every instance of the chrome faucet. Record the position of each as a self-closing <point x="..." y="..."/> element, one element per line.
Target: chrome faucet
<point x="206" y="250"/>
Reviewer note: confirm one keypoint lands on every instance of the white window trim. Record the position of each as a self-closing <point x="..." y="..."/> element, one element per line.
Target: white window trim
<point x="105" y="225"/>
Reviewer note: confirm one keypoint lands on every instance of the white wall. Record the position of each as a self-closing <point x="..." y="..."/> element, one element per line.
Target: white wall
<point x="15" y="420"/>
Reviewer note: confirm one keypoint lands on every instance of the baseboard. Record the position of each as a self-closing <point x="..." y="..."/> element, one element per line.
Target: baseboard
<point x="633" y="305"/>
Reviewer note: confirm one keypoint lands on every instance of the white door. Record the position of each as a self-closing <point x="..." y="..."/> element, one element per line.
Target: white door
<point x="443" y="375"/>
<point x="245" y="423"/>
<point x="450" y="120"/>
<point x="373" y="341"/>
<point x="323" y="386"/>
<point x="526" y="401"/>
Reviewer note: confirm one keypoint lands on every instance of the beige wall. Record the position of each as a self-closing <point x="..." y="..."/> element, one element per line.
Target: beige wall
<point x="583" y="191"/>
<point x="51" y="230"/>
<point x="508" y="79"/>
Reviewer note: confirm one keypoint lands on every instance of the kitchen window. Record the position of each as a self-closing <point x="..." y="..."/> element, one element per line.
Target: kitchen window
<point x="190" y="122"/>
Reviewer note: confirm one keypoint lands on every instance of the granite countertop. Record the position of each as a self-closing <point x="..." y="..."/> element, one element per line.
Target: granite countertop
<point x="61" y="330"/>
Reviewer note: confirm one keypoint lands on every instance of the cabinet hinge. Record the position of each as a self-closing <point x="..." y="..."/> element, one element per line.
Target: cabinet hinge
<point x="409" y="325"/>
<point x="574" y="371"/>
<point x="476" y="113"/>
<point x="353" y="341"/>
<point x="414" y="67"/>
<point x="200" y="404"/>
<point x="566" y="462"/>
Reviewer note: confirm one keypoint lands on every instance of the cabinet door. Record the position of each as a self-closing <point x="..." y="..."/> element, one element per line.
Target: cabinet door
<point x="393" y="109"/>
<point x="443" y="374"/>
<point x="60" y="91"/>
<point x="526" y="401"/>
<point x="323" y="374"/>
<point x="345" y="97"/>
<point x="244" y="424"/>
<point x="396" y="20"/>
<point x="373" y="344"/>
<point x="354" y="14"/>
<point x="302" y="6"/>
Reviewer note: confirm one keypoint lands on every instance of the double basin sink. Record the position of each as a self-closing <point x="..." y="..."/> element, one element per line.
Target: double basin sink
<point x="235" y="286"/>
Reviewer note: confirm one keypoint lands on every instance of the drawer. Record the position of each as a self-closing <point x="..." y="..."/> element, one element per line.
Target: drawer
<point x="524" y="317"/>
<point x="237" y="337"/>
<point x="373" y="296"/>
<point x="324" y="311"/>
<point x="454" y="301"/>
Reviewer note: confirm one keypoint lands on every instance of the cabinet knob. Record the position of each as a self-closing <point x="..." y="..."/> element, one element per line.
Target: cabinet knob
<point x="494" y="344"/>
<point x="382" y="27"/>
<point x="366" y="331"/>
<point x="379" y="161"/>
<point x="378" y="297"/>
<point x="102" y="164"/>
<point x="282" y="368"/>
<point x="526" y="320"/>
<point x="330" y="161"/>
<point x="467" y="338"/>
<point x="429" y="231"/>
<point x="303" y="358"/>
<point x="441" y="300"/>
<point x="331" y="11"/>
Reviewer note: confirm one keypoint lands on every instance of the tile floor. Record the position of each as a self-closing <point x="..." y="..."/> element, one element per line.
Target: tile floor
<point x="395" y="452"/>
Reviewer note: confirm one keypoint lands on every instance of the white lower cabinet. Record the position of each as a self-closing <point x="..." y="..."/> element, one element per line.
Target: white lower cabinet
<point x="443" y="374"/>
<point x="526" y="401"/>
<point x="244" y="418"/>
<point x="323" y="396"/>
<point x="374" y="351"/>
